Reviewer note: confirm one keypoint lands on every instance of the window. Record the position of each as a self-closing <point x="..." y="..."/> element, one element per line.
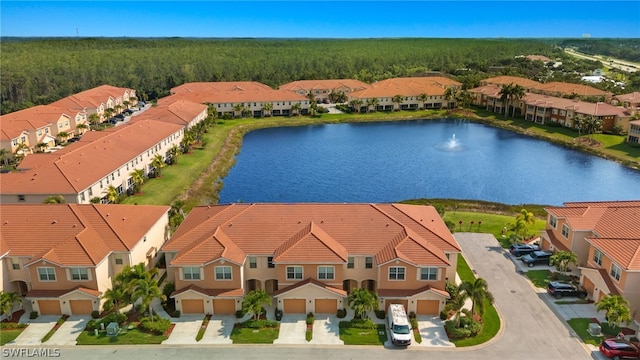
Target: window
<point x="294" y="272"/>
<point x="191" y="273"/>
<point x="565" y="230"/>
<point x="270" y="263"/>
<point x="325" y="272"/>
<point x="368" y="262"/>
<point x="119" y="260"/>
<point x="223" y="272"/>
<point x="79" y="274"/>
<point x="350" y="263"/>
<point x="47" y="274"/>
<point x="253" y="262"/>
<point x="396" y="273"/>
<point x="553" y="221"/>
<point x="429" y="274"/>
<point x="597" y="257"/>
<point x="615" y="272"/>
<point x="15" y="263"/>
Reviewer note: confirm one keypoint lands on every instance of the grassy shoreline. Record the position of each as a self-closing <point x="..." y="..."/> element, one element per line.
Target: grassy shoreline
<point x="216" y="156"/>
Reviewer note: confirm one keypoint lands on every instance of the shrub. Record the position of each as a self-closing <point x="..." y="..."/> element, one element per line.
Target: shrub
<point x="380" y="314"/>
<point x="157" y="326"/>
<point x="176" y="314"/>
<point x="310" y="318"/>
<point x="342" y="313"/>
<point x="258" y="324"/>
<point x="95" y="314"/>
<point x="239" y="314"/>
<point x="468" y="327"/>
<point x="33" y="315"/>
<point x="443" y="315"/>
<point x="113" y="317"/>
<point x="279" y="314"/>
<point x="92" y="325"/>
<point x="363" y="324"/>
<point x="414" y="323"/>
<point x="412" y="315"/>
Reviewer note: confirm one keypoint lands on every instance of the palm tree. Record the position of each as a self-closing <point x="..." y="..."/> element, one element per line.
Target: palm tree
<point x="238" y="108"/>
<point x="523" y="220"/>
<point x="4" y="155"/>
<point x="268" y="108"/>
<point x="372" y="103"/>
<point x="355" y="104"/>
<point x="450" y="95"/>
<point x="126" y="103"/>
<point x="108" y="112"/>
<point x="397" y="99"/>
<point x="41" y="147"/>
<point x="362" y="301"/>
<point x="456" y="301"/>
<point x="115" y="296"/>
<point x="174" y="153"/>
<point x="54" y="199"/>
<point x="464" y="99"/>
<point x="254" y="301"/>
<point x="505" y="96"/>
<point x="8" y="300"/>
<point x="592" y="125"/>
<point x="562" y="259"/>
<point x="82" y="126"/>
<point x="423" y="98"/>
<point x="187" y="141"/>
<point x="146" y="290"/>
<point x="118" y="108"/>
<point x="517" y="93"/>
<point x="94" y="119"/>
<point x="616" y="308"/>
<point x="62" y="136"/>
<point x="478" y="292"/>
<point x="158" y="164"/>
<point x="137" y="176"/>
<point x="112" y="194"/>
<point x="295" y="108"/>
<point x="22" y="149"/>
<point x="579" y="123"/>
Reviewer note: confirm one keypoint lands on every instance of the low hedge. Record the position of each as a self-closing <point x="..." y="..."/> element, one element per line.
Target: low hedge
<point x="468" y="327"/>
<point x="259" y="324"/>
<point x="158" y="326"/>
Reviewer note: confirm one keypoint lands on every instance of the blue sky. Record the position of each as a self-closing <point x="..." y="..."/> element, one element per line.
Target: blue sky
<point x="321" y="19"/>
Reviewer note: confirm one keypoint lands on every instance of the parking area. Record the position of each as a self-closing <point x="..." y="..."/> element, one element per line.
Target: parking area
<point x="185" y="330"/>
<point x="432" y="332"/>
<point x="69" y="330"/>
<point x="326" y="330"/>
<point x="36" y="330"/>
<point x="292" y="329"/>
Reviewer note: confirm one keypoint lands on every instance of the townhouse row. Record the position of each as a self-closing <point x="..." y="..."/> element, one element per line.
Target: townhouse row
<point x="309" y="257"/>
<point x="605" y="236"/>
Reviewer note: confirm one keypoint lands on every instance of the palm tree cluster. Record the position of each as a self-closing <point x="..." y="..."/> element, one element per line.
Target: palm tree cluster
<point x="462" y="98"/>
<point x="587" y="124"/>
<point x="616" y="308"/>
<point x="477" y="291"/>
<point x="362" y="301"/>
<point x="254" y="301"/>
<point x="563" y="259"/>
<point x="132" y="284"/>
<point x="7" y="302"/>
<point x="509" y="94"/>
<point x="521" y="226"/>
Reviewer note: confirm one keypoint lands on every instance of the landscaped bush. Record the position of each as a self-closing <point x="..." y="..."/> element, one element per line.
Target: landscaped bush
<point x="157" y="326"/>
<point x="92" y="325"/>
<point x="363" y="324"/>
<point x="468" y="327"/>
<point x="279" y="314"/>
<point x="414" y="323"/>
<point x="443" y="315"/>
<point x="33" y="315"/>
<point x="176" y="313"/>
<point x="342" y="313"/>
<point x="380" y="314"/>
<point x="412" y="315"/>
<point x="168" y="289"/>
<point x="258" y="324"/>
<point x="11" y="325"/>
<point x="95" y="314"/>
<point x="113" y="317"/>
<point x="239" y="314"/>
<point x="310" y="318"/>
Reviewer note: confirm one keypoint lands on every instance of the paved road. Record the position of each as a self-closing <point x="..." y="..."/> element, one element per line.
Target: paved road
<point x="618" y="64"/>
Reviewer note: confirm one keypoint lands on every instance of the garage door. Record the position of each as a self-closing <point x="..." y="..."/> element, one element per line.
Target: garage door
<point x="428" y="307"/>
<point x="295" y="306"/>
<point x="49" y="307"/>
<point x="81" y="307"/>
<point x="224" y="307"/>
<point x="192" y="306"/>
<point x="589" y="286"/>
<point x="326" y="306"/>
<point x="404" y="303"/>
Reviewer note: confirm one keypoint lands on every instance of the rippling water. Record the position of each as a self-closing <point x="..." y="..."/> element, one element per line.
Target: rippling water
<point x="393" y="161"/>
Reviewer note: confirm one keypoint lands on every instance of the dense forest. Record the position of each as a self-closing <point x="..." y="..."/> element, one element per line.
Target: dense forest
<point x="39" y="71"/>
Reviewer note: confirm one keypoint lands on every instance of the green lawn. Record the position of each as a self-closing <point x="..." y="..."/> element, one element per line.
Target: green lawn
<point x="464" y="271"/>
<point x="243" y="335"/>
<point x="359" y="336"/>
<point x="10" y="333"/>
<point x="580" y="326"/>
<point x="131" y="337"/>
<point x="539" y="278"/>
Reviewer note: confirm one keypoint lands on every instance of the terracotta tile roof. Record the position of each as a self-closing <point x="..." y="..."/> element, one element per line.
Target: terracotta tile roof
<point x="410" y="292"/>
<point x="582" y="107"/>
<point x="633" y="98"/>
<point x="333" y="229"/>
<point x="328" y="84"/>
<point x="555" y="242"/>
<point x="310" y="282"/>
<point x="59" y="293"/>
<point x="218" y="246"/>
<point x="488" y="90"/>
<point x="86" y="162"/>
<point x="210" y="292"/>
<point x="229" y="92"/>
<point x="607" y="219"/>
<point x="412" y="86"/>
<point x="603" y="275"/>
<point x="603" y="203"/>
<point x="92" y="98"/>
<point x="179" y="112"/>
<point x="556" y="87"/>
<point x="625" y="252"/>
<point x="72" y="234"/>
<point x="506" y="80"/>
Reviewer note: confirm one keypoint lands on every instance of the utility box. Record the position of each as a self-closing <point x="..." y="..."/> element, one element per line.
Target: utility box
<point x="113" y="329"/>
<point x="594" y="329"/>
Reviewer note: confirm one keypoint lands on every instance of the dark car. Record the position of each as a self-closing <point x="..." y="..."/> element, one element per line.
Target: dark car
<point x="615" y="348"/>
<point x="120" y="117"/>
<point x="537" y="257"/>
<point x="127" y="111"/>
<point x="112" y="120"/>
<point x="522" y="249"/>
<point x="559" y="289"/>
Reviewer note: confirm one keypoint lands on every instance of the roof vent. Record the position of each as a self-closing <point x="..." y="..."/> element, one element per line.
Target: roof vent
<point x="387" y="225"/>
<point x="54" y="222"/>
<point x="124" y="218"/>
<point x="74" y="226"/>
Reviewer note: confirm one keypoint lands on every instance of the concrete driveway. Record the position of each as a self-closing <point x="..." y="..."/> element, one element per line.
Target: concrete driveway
<point x="292" y="329"/>
<point x="69" y="331"/>
<point x="219" y="330"/>
<point x="185" y="330"/>
<point x="525" y="316"/>
<point x="36" y="330"/>
<point x="326" y="330"/>
<point x="432" y="332"/>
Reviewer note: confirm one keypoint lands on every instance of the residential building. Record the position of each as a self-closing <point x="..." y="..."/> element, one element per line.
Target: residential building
<point x="605" y="236"/>
<point x="633" y="135"/>
<point x="85" y="169"/>
<point x="555" y="88"/>
<point x="630" y="101"/>
<point x="321" y="89"/>
<point x="180" y="112"/>
<point x="310" y="256"/>
<point x="31" y="127"/>
<point x="97" y="100"/>
<point x="239" y="98"/>
<point x="61" y="258"/>
<point x="416" y="93"/>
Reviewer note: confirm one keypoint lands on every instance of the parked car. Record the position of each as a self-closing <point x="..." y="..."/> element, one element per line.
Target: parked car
<point x="537" y="257"/>
<point x="522" y="249"/>
<point x="615" y="348"/>
<point x="112" y="120"/>
<point x="128" y="111"/>
<point x="559" y="289"/>
<point x="73" y="139"/>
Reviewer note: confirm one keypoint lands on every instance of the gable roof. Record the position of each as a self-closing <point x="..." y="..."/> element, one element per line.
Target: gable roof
<point x="410" y="86"/>
<point x="324" y="84"/>
<point x="625" y="252"/>
<point x="310" y="244"/>
<point x="229" y="92"/>
<point x="73" y="234"/>
<point x="179" y="112"/>
<point x="310" y="282"/>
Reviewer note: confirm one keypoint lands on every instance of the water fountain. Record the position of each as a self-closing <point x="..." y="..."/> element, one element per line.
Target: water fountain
<point x="452" y="145"/>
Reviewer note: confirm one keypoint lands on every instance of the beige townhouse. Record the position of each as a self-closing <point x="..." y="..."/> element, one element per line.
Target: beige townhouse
<point x="322" y="89"/>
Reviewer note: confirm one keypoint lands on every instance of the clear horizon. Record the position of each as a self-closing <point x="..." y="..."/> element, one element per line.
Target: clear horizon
<point x="321" y="19"/>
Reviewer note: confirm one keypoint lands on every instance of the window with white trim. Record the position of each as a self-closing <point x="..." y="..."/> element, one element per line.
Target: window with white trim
<point x="428" y="273"/>
<point x="270" y="263"/>
<point x="615" y="272"/>
<point x="553" y="221"/>
<point x="253" y="262"/>
<point x="119" y="260"/>
<point x="47" y="274"/>
<point x="15" y="263"/>
<point x="79" y="273"/>
<point x="191" y="273"/>
<point x="368" y="262"/>
<point x="325" y="273"/>
<point x="350" y="262"/>
<point x="597" y="256"/>
<point x="223" y="272"/>
<point x="396" y="273"/>
<point x="565" y="230"/>
<point x="294" y="272"/>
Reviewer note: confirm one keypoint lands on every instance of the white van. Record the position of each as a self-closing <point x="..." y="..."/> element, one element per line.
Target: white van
<point x="399" y="325"/>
